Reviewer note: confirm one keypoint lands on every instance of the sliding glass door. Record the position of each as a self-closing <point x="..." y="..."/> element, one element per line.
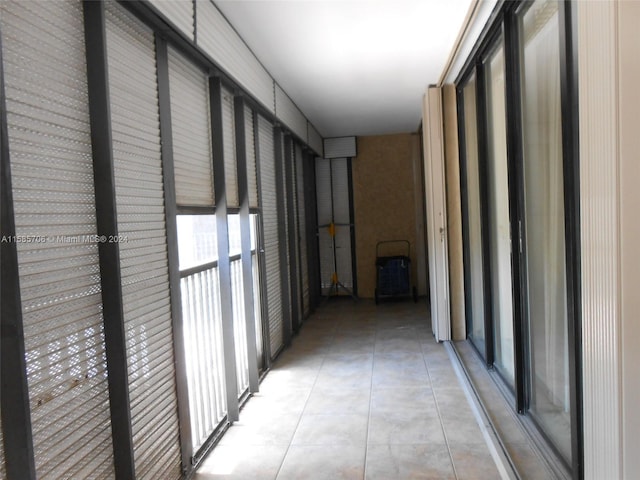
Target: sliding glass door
<point x="474" y="271"/>
<point x="544" y="222"/>
<point x="520" y="236"/>
<point x="498" y="216"/>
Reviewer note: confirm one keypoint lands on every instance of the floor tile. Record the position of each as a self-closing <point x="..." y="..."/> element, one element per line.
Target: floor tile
<point x="400" y="375"/>
<point x="462" y="429"/>
<point x="363" y="392"/>
<point x="242" y="462"/>
<point x="332" y="400"/>
<point x="408" y="462"/>
<point x="331" y="430"/>
<point x="472" y="461"/>
<point x="323" y="463"/>
<point x="405" y="427"/>
<point x="402" y="398"/>
<point x="267" y="431"/>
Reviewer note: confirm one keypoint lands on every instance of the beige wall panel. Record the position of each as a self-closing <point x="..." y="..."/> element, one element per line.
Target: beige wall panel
<point x="454" y="213"/>
<point x="384" y="201"/>
<point x="629" y="100"/>
<point x="600" y="238"/>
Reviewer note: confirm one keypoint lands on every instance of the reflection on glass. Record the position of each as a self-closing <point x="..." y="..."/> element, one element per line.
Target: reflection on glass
<point x="197" y="242"/>
<point x="476" y="290"/>
<point x="499" y="227"/>
<point x="544" y="220"/>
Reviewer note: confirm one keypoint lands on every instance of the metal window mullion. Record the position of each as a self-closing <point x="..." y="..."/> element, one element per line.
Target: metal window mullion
<point x="107" y="225"/>
<point x="245" y="239"/>
<point x="281" y="189"/>
<point x="292" y="234"/>
<point x="184" y="414"/>
<point x="262" y="267"/>
<point x="14" y="392"/>
<point x="224" y="265"/>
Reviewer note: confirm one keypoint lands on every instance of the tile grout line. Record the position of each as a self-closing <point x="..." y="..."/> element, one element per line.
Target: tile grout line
<point x="366" y="440"/>
<point x="435" y="399"/>
<point x="315" y="381"/>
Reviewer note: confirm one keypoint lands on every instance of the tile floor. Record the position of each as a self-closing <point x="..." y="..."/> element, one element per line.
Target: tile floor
<point x="363" y="392"/>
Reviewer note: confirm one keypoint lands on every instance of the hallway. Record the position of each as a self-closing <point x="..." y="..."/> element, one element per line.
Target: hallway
<point x="363" y="392"/>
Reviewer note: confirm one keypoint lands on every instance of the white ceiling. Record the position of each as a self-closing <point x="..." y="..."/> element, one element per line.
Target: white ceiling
<point x="354" y="67"/>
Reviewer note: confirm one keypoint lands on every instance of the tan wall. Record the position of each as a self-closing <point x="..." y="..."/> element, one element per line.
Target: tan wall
<point x="384" y="200"/>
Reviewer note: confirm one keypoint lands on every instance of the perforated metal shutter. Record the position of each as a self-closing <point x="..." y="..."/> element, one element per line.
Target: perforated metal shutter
<point x="342" y="218"/>
<point x="3" y="471"/>
<point x="324" y="203"/>
<point x="294" y="250"/>
<point x="302" y="225"/>
<point x="52" y="175"/>
<point x="340" y="147"/>
<point x="225" y="47"/>
<point x="229" y="144"/>
<point x="314" y="139"/>
<point x="252" y="178"/>
<point x="191" y="132"/>
<point x="270" y="222"/>
<point x="289" y="114"/>
<point x="323" y="189"/>
<point x="282" y="183"/>
<point x="178" y="12"/>
<point x="143" y="249"/>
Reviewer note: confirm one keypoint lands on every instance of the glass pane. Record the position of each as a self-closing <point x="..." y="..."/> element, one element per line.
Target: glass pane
<point x="476" y="286"/>
<point x="544" y="221"/>
<point x="197" y="241"/>
<point x="499" y="227"/>
<point x="235" y="237"/>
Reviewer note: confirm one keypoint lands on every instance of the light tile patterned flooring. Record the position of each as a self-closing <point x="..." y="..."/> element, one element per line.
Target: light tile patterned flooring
<point x="364" y="392"/>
